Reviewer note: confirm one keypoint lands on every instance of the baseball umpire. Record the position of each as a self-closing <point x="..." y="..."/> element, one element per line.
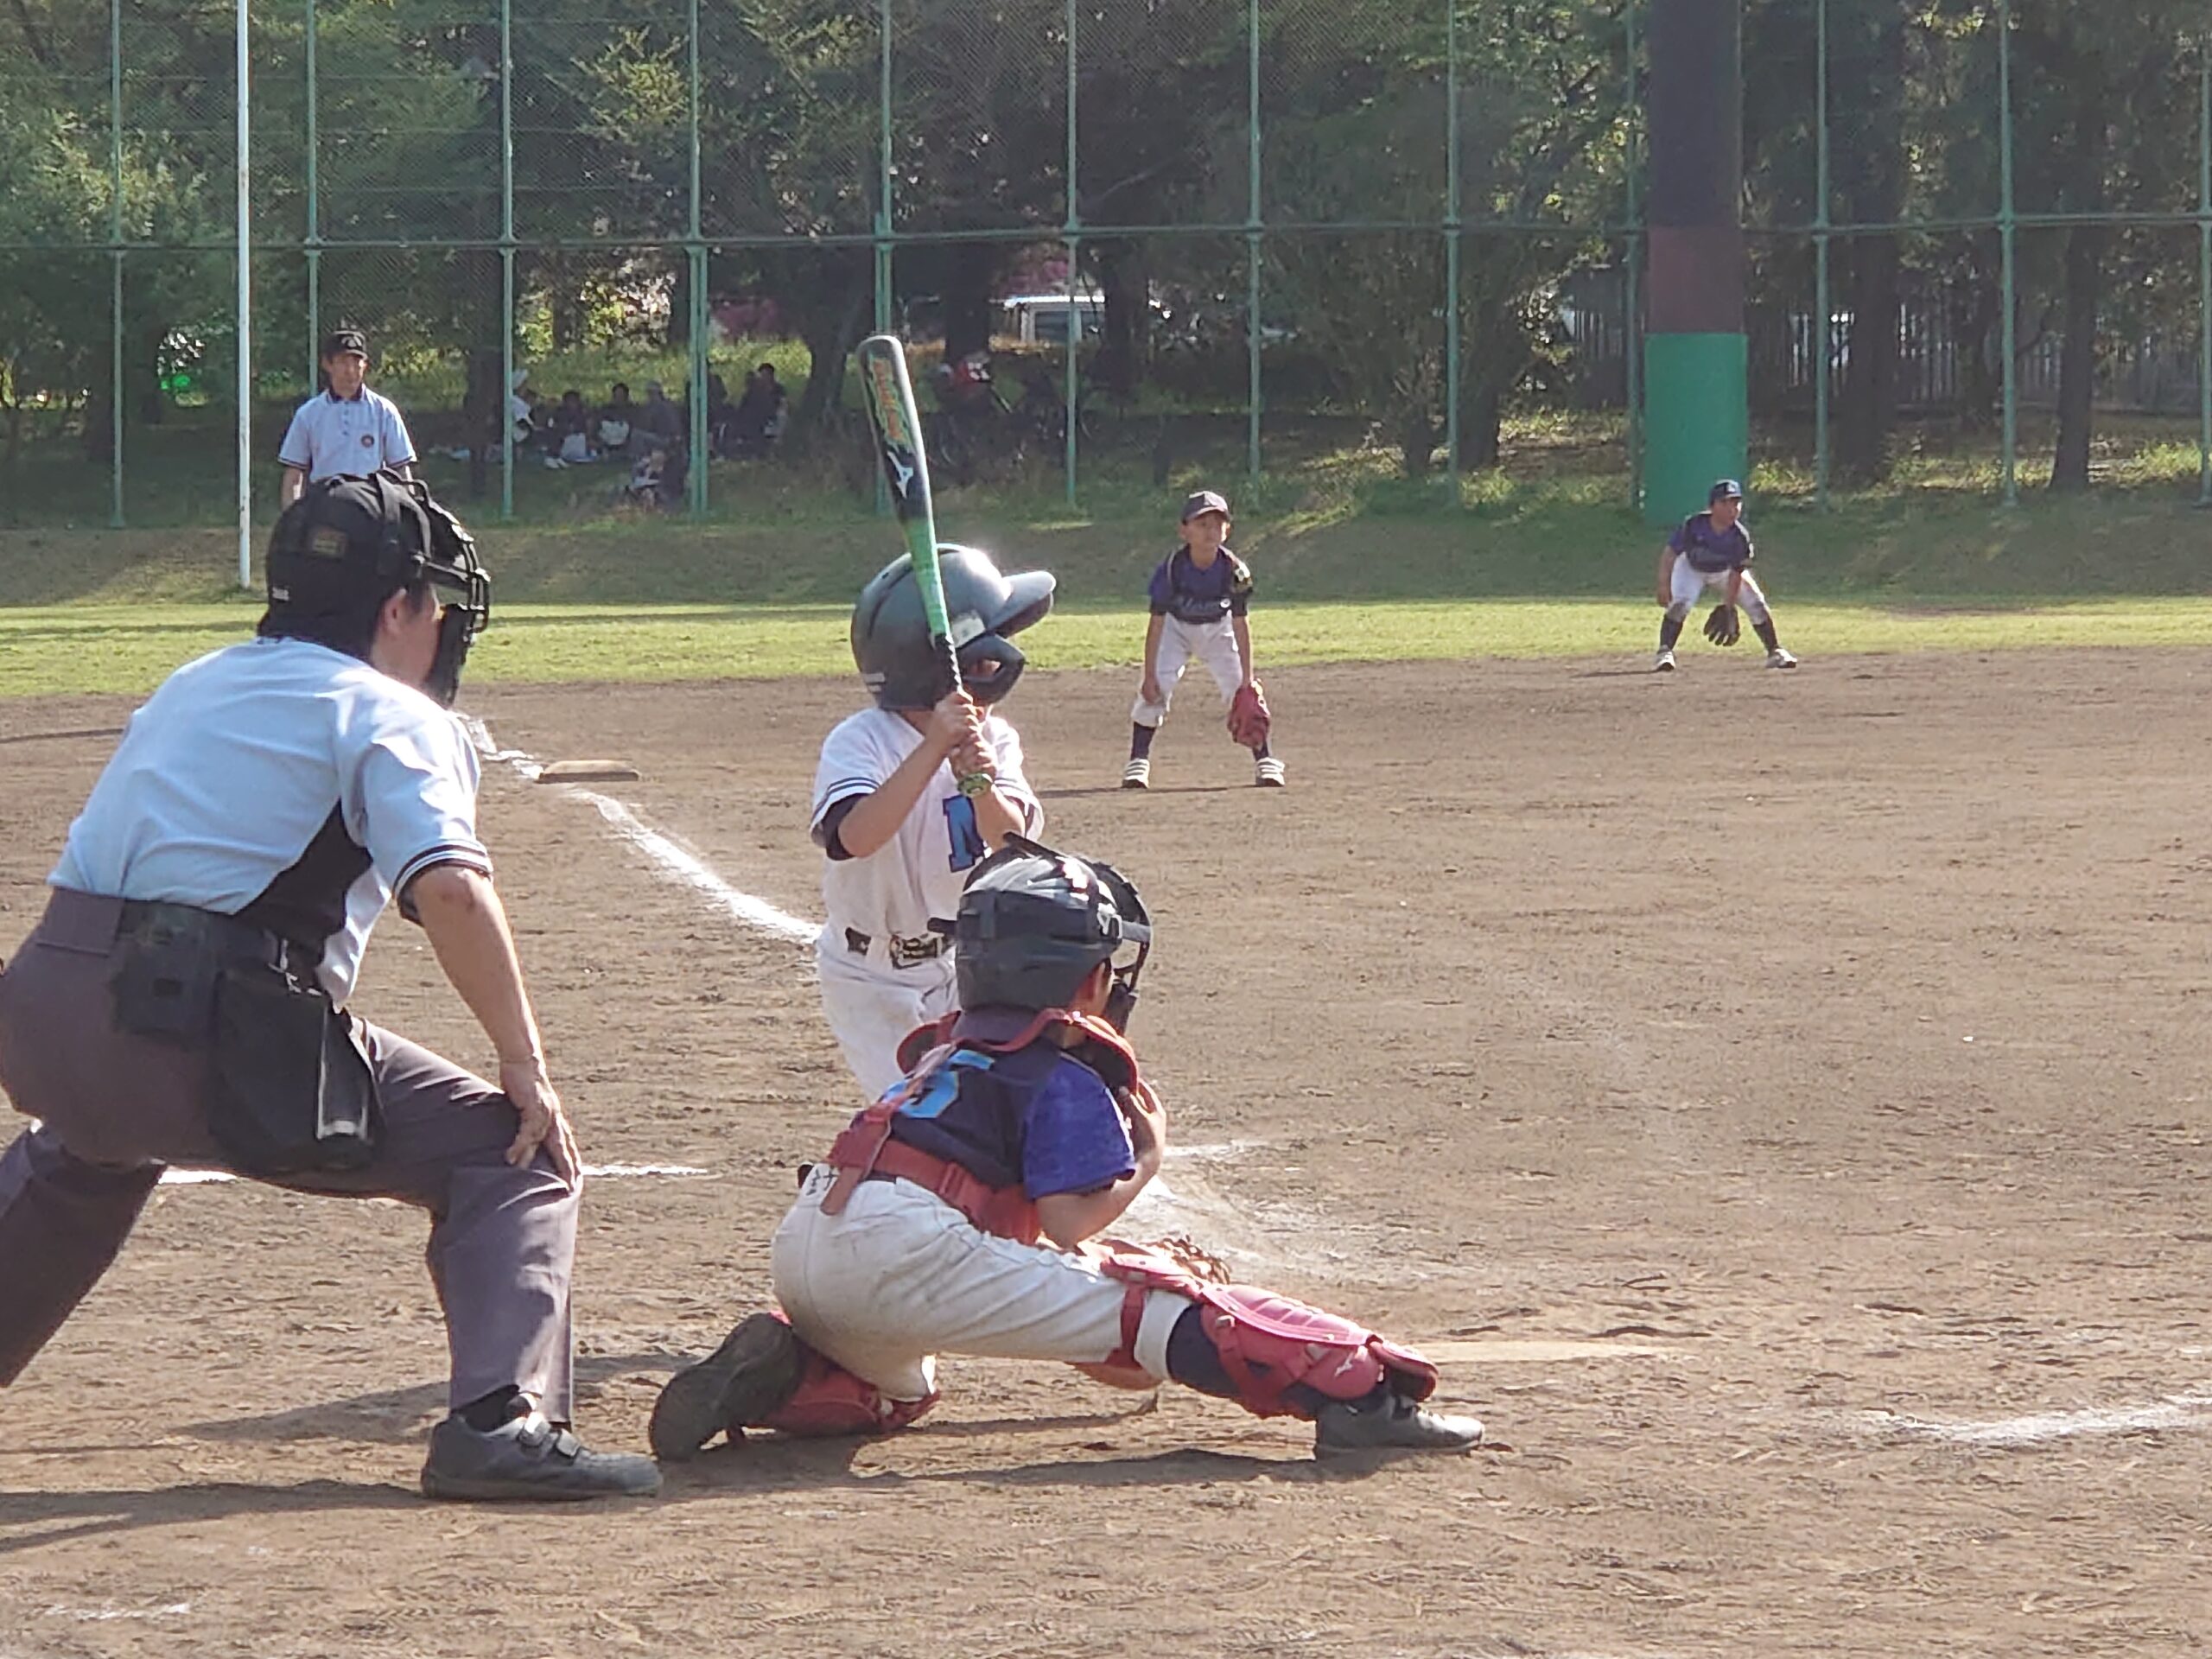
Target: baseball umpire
<point x="182" y="1000"/>
<point x="1713" y="550"/>
<point x="345" y="429"/>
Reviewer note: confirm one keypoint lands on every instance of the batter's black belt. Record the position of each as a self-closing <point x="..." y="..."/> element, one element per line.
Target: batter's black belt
<point x="903" y="952"/>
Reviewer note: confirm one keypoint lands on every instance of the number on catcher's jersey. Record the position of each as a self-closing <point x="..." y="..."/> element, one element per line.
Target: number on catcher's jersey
<point x="965" y="835"/>
<point x="937" y="1093"/>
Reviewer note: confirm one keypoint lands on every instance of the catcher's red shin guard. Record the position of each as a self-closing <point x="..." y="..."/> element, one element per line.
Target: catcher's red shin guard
<point x="1270" y="1343"/>
<point x="830" y="1401"/>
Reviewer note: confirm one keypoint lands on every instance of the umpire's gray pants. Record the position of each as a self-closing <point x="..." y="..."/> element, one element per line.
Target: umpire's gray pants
<point x="115" y="1109"/>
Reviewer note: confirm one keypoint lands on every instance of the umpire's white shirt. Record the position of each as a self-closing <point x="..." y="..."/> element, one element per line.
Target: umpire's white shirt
<point x="332" y="436"/>
<point x="231" y="768"/>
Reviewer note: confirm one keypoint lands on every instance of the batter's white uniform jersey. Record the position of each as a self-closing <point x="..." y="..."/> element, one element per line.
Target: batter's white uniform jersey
<point x="884" y="970"/>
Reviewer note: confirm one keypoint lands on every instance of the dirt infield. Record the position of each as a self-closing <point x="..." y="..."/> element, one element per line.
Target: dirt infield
<point x="1780" y="1097"/>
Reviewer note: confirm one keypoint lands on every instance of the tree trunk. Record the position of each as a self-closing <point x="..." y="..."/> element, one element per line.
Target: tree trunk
<point x="1125" y="352"/>
<point x="968" y="299"/>
<point x="1873" y="192"/>
<point x="563" y="298"/>
<point x="1482" y="424"/>
<point x="679" y="301"/>
<point x="2077" y="357"/>
<point x="1868" y="403"/>
<point x="484" y="415"/>
<point x="831" y="323"/>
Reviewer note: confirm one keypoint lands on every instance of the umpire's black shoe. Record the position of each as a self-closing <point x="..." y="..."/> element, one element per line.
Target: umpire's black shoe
<point x="751" y="1376"/>
<point x="1392" y="1423"/>
<point x="528" y="1460"/>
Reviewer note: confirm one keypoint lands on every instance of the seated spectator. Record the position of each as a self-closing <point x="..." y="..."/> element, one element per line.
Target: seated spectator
<point x="658" y="480"/>
<point x="757" y="420"/>
<point x="617" y="421"/>
<point x="659" y="421"/>
<point x="569" y="432"/>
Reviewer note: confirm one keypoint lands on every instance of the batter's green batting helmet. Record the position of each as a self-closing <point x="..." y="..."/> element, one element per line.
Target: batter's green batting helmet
<point x="891" y="637"/>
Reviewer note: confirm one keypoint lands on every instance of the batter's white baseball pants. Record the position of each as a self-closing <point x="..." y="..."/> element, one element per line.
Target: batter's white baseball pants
<point x="871" y="1007"/>
<point x="901" y="1276"/>
<point x="1688" y="587"/>
<point x="1214" y="644"/>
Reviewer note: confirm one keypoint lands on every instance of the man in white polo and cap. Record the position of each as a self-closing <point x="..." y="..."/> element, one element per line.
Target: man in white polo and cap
<point x="346" y="432"/>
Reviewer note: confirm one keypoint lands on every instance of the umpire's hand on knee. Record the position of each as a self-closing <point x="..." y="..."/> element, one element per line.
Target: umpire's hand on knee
<point x="543" y="1123"/>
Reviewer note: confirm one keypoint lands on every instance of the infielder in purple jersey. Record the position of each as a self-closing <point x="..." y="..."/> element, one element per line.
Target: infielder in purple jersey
<point x="1712" y="550"/>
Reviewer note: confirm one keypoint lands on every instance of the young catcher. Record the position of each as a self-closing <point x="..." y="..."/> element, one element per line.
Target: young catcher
<point x="962" y="1213"/>
<point x="913" y="793"/>
<point x="1712" y="550"/>
<point x="1200" y="596"/>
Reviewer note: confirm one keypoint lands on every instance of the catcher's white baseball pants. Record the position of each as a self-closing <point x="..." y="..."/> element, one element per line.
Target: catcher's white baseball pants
<point x="871" y="1007"/>
<point x="1688" y="587"/>
<point x="1213" y="644"/>
<point x="901" y="1276"/>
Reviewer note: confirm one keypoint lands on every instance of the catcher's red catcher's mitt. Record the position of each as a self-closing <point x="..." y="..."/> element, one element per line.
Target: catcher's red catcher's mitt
<point x="1248" y="719"/>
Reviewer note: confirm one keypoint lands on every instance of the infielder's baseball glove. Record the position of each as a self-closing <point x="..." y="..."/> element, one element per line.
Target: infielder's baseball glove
<point x="1248" y="719"/>
<point x="1724" y="626"/>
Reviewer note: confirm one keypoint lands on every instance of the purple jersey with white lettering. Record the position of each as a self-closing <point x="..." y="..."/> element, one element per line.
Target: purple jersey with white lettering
<point x="1711" y="550"/>
<point x="1190" y="593"/>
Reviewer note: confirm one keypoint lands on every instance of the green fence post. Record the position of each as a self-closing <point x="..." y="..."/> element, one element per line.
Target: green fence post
<point x="506" y="259"/>
<point x="1451" y="341"/>
<point x="315" y="211"/>
<point x="2007" y="237"/>
<point x="115" y="262"/>
<point x="1632" y="301"/>
<point x="1252" y="249"/>
<point x="695" y="255"/>
<point x="1822" y="307"/>
<point x="2204" y="273"/>
<point x="1073" y="232"/>
<point x="883" y="232"/>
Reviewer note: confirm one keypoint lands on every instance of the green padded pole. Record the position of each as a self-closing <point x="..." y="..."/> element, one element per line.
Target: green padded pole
<point x="1697" y="425"/>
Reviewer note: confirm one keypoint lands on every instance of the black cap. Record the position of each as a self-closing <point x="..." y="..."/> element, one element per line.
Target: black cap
<point x="1726" y="490"/>
<point x="344" y="546"/>
<point x="339" y="341"/>
<point x="1205" y="501"/>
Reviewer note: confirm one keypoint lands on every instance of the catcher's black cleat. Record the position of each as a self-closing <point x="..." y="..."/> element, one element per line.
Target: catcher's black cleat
<point x="1393" y="1424"/>
<point x="753" y="1374"/>
<point x="528" y="1460"/>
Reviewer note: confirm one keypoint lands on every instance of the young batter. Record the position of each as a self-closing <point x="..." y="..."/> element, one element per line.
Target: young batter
<point x="913" y="793"/>
<point x="963" y="1214"/>
<point x="1712" y="550"/>
<point x="1199" y="595"/>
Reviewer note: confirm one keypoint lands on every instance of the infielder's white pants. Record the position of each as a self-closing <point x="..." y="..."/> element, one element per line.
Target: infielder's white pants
<point x="1688" y="587"/>
<point x="902" y="1276"/>
<point x="1214" y="645"/>
<point x="871" y="1007"/>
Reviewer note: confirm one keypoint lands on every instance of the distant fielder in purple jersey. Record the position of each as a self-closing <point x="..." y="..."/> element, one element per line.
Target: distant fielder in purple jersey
<point x="1199" y="598"/>
<point x="1712" y="550"/>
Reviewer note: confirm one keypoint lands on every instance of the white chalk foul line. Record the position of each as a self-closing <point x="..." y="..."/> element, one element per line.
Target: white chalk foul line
<point x="2034" y="1429"/>
<point x="672" y="859"/>
<point x="592" y="1172"/>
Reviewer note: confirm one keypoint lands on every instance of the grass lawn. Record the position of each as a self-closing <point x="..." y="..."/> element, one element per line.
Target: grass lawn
<point x="48" y="649"/>
<point x="1540" y="559"/>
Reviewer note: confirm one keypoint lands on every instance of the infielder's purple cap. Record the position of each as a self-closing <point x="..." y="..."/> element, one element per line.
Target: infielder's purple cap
<point x="1726" y="490"/>
<point x="1205" y="501"/>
